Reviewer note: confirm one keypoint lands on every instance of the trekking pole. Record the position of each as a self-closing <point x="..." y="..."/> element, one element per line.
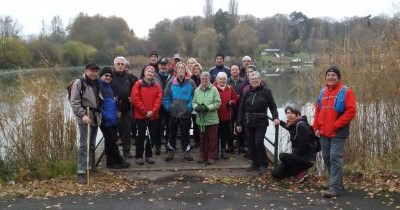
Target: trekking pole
<point x="87" y="147"/>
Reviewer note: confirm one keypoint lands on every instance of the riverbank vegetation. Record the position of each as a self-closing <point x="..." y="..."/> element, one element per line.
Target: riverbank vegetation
<point x="37" y="131"/>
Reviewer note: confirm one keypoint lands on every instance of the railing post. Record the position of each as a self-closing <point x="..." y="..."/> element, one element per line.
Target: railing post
<point x="276" y="145"/>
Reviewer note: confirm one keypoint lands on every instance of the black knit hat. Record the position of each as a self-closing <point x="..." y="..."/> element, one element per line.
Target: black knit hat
<point x="106" y="70"/>
<point x="333" y="69"/>
<point x="153" y="53"/>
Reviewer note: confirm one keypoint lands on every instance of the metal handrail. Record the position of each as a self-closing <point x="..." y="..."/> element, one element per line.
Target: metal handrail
<point x="275" y="143"/>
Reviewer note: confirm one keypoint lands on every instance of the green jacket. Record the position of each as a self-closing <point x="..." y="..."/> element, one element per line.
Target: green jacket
<point x="210" y="98"/>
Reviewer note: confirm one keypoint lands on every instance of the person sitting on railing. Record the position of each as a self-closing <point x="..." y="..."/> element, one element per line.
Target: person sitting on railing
<point x="303" y="152"/>
<point x="253" y="117"/>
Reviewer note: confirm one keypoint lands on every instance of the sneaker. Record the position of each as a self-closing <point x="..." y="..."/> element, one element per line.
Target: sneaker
<point x="262" y="170"/>
<point x="139" y="161"/>
<point x="170" y="156"/>
<point x="299" y="178"/>
<point x="150" y="160"/>
<point x="128" y="155"/>
<point x="158" y="149"/>
<point x="187" y="156"/>
<point x="81" y="178"/>
<point x="331" y="193"/>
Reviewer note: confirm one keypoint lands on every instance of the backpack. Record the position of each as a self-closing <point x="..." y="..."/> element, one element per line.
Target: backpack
<point x="314" y="140"/>
<point x="339" y="99"/>
<point x="69" y="88"/>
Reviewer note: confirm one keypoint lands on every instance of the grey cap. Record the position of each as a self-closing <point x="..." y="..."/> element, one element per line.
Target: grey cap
<point x="177" y="56"/>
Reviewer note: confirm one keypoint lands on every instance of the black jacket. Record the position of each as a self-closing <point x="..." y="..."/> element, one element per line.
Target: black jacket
<point x="121" y="85"/>
<point x="254" y="106"/>
<point x="300" y="136"/>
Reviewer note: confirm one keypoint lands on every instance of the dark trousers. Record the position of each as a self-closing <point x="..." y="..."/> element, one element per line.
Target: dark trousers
<point x="225" y="135"/>
<point x="196" y="130"/>
<point x="255" y="143"/>
<point x="184" y="125"/>
<point x="125" y="130"/>
<point x="110" y="145"/>
<point x="239" y="136"/>
<point x="208" y="143"/>
<point x="290" y="165"/>
<point x="164" y="124"/>
<point x="143" y="143"/>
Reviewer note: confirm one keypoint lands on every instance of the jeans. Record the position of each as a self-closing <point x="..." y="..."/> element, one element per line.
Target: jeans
<point x="82" y="149"/>
<point x="332" y="153"/>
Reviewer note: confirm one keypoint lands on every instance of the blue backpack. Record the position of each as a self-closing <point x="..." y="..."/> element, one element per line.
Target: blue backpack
<point x="339" y="100"/>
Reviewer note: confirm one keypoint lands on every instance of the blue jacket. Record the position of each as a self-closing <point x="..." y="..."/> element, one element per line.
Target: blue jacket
<point x="178" y="97"/>
<point x="216" y="69"/>
<point x="109" y="108"/>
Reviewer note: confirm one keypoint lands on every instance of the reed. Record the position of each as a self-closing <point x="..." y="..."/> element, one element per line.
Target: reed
<point x="371" y="69"/>
<point x="37" y="131"/>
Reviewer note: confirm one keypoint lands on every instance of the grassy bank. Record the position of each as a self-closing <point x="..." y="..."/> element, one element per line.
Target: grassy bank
<point x="37" y="133"/>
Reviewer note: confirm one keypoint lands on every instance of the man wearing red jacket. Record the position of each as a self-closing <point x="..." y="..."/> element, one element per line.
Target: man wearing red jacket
<point x="146" y="96"/>
<point x="331" y="124"/>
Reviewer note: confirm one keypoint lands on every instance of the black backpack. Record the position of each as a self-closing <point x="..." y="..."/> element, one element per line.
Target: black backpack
<point x="314" y="140"/>
<point x="69" y="87"/>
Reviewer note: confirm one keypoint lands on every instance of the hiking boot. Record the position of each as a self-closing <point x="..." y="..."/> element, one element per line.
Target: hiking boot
<point x="139" y="161"/>
<point x="211" y="161"/>
<point x="252" y="168"/>
<point x="125" y="165"/>
<point x="299" y="178"/>
<point x="81" y="178"/>
<point x="170" y="156"/>
<point x="325" y="186"/>
<point x="150" y="160"/>
<point x="128" y="155"/>
<point x="230" y="150"/>
<point x="158" y="149"/>
<point x="331" y="193"/>
<point x="262" y="170"/>
<point x="224" y="156"/>
<point x="201" y="161"/>
<point x="187" y="156"/>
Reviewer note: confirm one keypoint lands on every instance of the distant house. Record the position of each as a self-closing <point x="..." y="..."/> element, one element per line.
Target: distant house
<point x="270" y="51"/>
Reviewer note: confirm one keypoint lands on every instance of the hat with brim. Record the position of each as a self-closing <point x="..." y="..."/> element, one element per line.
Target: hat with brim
<point x="92" y="66"/>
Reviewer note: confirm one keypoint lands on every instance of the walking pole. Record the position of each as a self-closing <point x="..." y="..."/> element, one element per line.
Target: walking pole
<point x="87" y="147"/>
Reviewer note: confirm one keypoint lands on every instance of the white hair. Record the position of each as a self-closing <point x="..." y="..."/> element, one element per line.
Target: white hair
<point x="222" y="74"/>
<point x="255" y="74"/>
<point x="118" y="58"/>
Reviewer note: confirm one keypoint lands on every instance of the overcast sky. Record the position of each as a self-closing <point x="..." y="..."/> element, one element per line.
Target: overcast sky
<point x="143" y="15"/>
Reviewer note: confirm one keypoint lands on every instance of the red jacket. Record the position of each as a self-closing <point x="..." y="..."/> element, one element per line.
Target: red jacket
<point x="146" y="97"/>
<point x="224" y="111"/>
<point x="326" y="118"/>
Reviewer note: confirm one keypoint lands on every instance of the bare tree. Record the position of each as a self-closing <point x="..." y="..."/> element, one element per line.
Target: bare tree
<point x="8" y="27"/>
<point x="233" y="11"/>
<point x="208" y="12"/>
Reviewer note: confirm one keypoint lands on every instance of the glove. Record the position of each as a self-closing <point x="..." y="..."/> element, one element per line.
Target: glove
<point x="229" y="104"/>
<point x="201" y="108"/>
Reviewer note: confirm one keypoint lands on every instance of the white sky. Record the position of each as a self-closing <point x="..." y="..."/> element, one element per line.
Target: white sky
<point x="143" y="15"/>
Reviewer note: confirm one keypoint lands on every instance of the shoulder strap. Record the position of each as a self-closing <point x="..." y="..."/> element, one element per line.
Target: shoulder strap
<point x="321" y="94"/>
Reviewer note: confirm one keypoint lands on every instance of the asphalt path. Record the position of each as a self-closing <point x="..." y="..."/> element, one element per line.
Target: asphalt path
<point x="192" y="192"/>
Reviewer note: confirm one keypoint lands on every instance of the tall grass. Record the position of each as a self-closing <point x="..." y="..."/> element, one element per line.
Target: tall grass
<point x="37" y="133"/>
<point x="372" y="70"/>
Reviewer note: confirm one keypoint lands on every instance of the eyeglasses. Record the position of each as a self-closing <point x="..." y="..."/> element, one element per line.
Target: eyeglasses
<point x="108" y="75"/>
<point x="120" y="64"/>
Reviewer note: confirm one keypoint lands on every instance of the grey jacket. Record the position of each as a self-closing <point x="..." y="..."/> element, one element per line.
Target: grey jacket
<point x="90" y="98"/>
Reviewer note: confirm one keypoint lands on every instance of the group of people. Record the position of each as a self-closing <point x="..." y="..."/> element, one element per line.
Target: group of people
<point x="219" y="104"/>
